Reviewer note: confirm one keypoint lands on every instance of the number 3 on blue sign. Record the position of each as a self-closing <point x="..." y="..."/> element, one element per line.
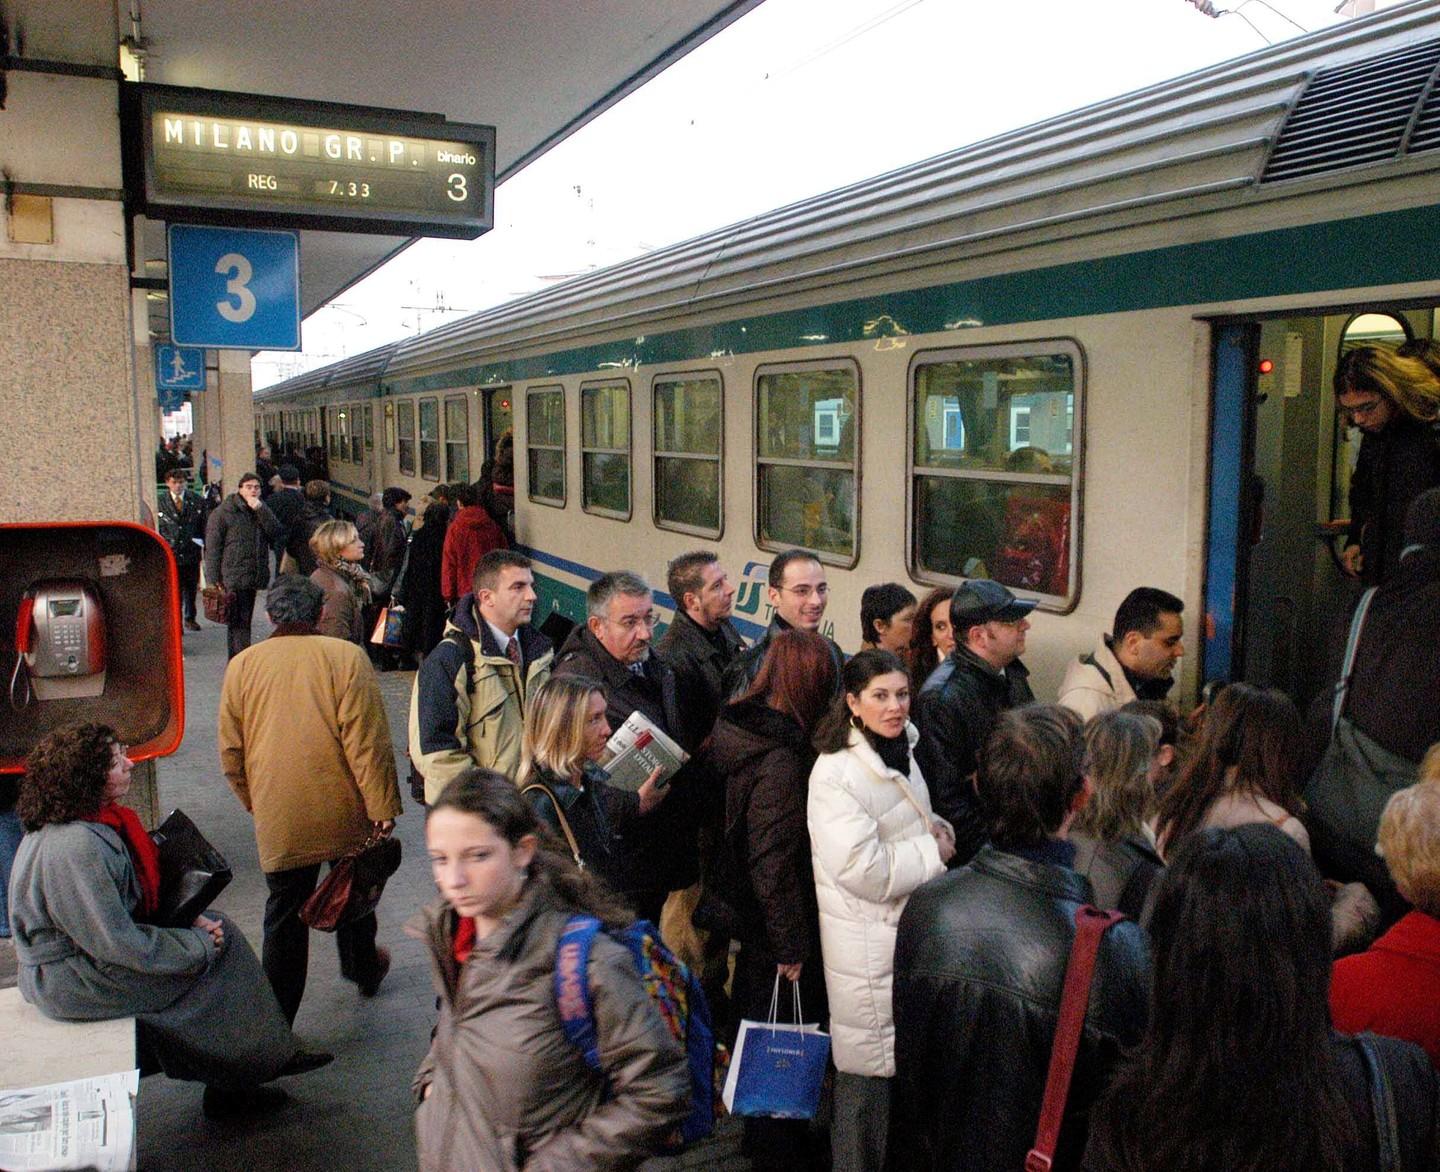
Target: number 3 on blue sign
<point x="234" y="289"/>
<point x="243" y="307"/>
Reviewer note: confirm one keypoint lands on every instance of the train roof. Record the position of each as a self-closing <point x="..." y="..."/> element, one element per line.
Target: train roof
<point x="359" y="370"/>
<point x="1353" y="105"/>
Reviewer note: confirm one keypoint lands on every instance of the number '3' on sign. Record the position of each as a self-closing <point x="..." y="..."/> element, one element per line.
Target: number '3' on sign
<point x="233" y="288"/>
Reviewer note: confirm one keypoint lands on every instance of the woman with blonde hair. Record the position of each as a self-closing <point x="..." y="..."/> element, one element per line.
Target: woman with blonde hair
<point x="560" y="775"/>
<point x="1114" y="848"/>
<point x="1394" y="988"/>
<point x="1395" y="400"/>
<point x="338" y="550"/>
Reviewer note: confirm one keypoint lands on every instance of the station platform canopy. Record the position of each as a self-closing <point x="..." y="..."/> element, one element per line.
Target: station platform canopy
<point x="537" y="70"/>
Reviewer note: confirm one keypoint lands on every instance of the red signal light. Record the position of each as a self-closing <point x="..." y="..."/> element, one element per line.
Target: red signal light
<point x="1266" y="366"/>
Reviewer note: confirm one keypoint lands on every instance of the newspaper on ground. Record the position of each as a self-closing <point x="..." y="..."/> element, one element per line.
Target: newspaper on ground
<point x="636" y="749"/>
<point x="86" y="1123"/>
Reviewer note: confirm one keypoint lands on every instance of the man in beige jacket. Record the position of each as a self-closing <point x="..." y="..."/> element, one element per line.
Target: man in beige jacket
<point x="305" y="745"/>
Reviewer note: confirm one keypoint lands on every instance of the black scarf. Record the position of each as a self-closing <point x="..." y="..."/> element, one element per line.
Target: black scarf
<point x="893" y="751"/>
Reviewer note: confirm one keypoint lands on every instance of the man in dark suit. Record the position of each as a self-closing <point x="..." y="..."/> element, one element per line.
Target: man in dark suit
<point x="182" y="517"/>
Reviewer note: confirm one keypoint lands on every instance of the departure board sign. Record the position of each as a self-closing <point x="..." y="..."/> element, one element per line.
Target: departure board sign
<point x="246" y="160"/>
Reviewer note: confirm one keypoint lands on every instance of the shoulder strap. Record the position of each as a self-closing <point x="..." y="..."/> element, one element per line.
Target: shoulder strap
<point x="1089" y="660"/>
<point x="572" y="987"/>
<point x="560" y="814"/>
<point x="461" y="640"/>
<point x="1346" y="668"/>
<point x="1090" y="925"/>
<point x="1382" y="1104"/>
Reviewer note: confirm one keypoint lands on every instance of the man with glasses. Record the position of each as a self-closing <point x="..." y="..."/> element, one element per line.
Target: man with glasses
<point x="613" y="648"/>
<point x="964" y="697"/>
<point x="798" y="595"/>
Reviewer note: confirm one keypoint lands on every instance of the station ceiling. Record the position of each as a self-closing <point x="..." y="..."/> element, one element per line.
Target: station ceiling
<point x="537" y="70"/>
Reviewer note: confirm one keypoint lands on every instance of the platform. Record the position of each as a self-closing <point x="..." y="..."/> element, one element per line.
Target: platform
<point x="357" y="1112"/>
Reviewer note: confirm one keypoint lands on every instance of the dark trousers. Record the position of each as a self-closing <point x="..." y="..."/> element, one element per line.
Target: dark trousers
<point x="285" y="952"/>
<point x="189" y="584"/>
<point x="242" y="609"/>
<point x="779" y="1144"/>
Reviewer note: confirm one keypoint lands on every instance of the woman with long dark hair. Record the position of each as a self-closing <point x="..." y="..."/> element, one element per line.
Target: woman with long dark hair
<point x="85" y="887"/>
<point x="931" y="636"/>
<point x="874" y="839"/>
<point x="761" y="747"/>
<point x="1239" y="1068"/>
<point x="502" y="1088"/>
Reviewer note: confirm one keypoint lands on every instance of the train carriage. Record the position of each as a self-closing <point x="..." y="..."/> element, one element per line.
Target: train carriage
<point x="1078" y="357"/>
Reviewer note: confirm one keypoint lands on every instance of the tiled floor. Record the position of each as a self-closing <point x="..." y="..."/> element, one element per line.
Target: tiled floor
<point x="356" y="1113"/>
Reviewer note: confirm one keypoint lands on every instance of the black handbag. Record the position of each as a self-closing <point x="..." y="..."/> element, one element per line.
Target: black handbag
<point x="192" y="872"/>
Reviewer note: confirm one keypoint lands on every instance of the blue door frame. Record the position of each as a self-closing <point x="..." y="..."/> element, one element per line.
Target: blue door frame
<point x="1232" y="425"/>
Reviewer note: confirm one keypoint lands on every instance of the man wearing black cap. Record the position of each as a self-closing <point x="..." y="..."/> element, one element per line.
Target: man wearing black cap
<point x="963" y="697"/>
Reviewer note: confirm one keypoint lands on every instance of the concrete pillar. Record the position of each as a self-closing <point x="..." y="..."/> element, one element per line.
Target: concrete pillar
<point x="230" y="420"/>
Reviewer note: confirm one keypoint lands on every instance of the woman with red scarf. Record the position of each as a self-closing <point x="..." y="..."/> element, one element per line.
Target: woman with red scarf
<point x="86" y="879"/>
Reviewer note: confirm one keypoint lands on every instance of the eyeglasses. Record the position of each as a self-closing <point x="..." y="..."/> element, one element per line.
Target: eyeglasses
<point x="1366" y="408"/>
<point x="632" y="622"/>
<point x="820" y="591"/>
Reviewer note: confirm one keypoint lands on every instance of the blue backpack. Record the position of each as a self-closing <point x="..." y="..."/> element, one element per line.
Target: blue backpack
<point x="671" y="986"/>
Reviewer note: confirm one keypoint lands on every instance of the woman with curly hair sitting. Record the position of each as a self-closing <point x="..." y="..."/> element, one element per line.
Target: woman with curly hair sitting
<point x="86" y="879"/>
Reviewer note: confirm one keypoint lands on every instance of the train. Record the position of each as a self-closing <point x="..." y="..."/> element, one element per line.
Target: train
<point x="1082" y="356"/>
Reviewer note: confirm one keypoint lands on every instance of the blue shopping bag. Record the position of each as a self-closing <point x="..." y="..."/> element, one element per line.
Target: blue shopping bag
<point x="778" y="1068"/>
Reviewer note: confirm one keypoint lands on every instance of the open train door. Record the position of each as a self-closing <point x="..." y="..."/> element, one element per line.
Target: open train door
<point x="1277" y="601"/>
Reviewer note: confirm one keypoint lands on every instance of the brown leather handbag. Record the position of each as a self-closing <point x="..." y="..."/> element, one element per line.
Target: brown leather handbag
<point x="352" y="889"/>
<point x="217" y="602"/>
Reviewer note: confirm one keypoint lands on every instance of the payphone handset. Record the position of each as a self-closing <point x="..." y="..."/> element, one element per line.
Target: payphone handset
<point x="60" y="640"/>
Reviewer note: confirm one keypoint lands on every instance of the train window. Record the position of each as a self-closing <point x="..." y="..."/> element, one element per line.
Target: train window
<point x="357" y="434"/>
<point x="332" y="420"/>
<point x="688" y="437"/>
<point x="405" y="442"/>
<point x="545" y="444"/>
<point x="343" y="430"/>
<point x="457" y="440"/>
<point x="807" y="459"/>
<point x="994" y="460"/>
<point x="389" y="427"/>
<point x="605" y="449"/>
<point x="369" y="427"/>
<point x="430" y="439"/>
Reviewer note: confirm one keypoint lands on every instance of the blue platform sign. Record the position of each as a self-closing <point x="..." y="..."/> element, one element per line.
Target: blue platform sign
<point x="234" y="289"/>
<point x="179" y="368"/>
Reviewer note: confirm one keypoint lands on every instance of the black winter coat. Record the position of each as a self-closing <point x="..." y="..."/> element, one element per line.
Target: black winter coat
<point x="660" y="852"/>
<point x="595" y="814"/>
<point x="237" y="545"/>
<point x="956" y="710"/>
<point x="286" y="504"/>
<point x="1394" y="467"/>
<point x="743" y="669"/>
<point x="180" y="526"/>
<point x="980" y="962"/>
<point x="765" y="760"/>
<point x="1394" y="694"/>
<point x="420" y="592"/>
<point x="699" y="662"/>
<point x="297" y="542"/>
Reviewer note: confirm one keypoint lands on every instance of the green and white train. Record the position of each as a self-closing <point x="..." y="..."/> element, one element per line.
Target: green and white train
<point x="1076" y="358"/>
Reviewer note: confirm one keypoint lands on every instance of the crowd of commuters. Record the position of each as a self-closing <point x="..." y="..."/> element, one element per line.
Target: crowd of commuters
<point x="904" y="835"/>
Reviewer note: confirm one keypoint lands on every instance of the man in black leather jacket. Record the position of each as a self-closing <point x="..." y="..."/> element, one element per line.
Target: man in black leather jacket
<point x="963" y="697"/>
<point x="702" y="641"/>
<point x="980" y="963"/>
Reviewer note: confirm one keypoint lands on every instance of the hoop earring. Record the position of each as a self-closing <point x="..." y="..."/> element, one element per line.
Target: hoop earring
<point x="856" y="723"/>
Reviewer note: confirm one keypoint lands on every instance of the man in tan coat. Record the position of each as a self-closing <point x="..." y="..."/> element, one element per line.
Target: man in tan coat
<point x="305" y="745"/>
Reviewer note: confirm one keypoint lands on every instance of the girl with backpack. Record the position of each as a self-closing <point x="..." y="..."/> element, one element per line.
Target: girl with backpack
<point x="503" y="1086"/>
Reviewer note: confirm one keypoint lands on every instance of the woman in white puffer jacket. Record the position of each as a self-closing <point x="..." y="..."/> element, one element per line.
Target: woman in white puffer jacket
<point x="873" y="840"/>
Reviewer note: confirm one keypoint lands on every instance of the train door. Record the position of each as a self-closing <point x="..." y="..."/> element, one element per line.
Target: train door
<point x="499" y="418"/>
<point x="1276" y="598"/>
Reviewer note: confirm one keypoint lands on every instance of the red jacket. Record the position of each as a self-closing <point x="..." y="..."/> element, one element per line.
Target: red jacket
<point x="1394" y="988"/>
<point x="472" y="534"/>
